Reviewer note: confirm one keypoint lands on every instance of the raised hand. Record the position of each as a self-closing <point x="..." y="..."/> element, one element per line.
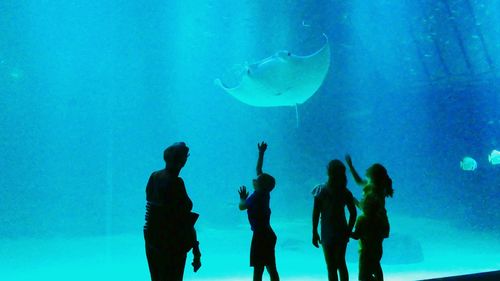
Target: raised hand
<point x="243" y="192"/>
<point x="262" y="147"/>
<point x="348" y="159"/>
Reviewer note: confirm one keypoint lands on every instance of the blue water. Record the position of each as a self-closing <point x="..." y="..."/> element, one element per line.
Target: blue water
<point x="91" y="92"/>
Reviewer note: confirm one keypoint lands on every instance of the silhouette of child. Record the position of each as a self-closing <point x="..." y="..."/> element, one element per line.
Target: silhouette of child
<point x="262" y="252"/>
<point x="330" y="200"/>
<point x="373" y="226"/>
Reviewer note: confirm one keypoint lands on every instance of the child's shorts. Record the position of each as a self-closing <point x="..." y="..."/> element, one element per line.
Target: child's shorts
<point x="262" y="248"/>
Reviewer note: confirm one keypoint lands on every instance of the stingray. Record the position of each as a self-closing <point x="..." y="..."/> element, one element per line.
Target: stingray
<point x="283" y="79"/>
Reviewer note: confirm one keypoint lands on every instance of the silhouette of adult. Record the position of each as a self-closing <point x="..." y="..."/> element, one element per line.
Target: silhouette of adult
<point x="169" y="230"/>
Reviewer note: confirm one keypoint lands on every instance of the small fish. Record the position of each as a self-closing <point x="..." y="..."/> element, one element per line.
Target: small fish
<point x="494" y="157"/>
<point x="468" y="164"/>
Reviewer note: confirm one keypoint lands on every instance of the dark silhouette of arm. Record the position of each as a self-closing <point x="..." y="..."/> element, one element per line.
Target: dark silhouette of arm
<point x="356" y="234"/>
<point x="185" y="203"/>
<point x="352" y="212"/>
<point x="354" y="173"/>
<point x="196" y="253"/>
<point x="356" y="202"/>
<point x="260" y="161"/>
<point x="315" y="222"/>
<point x="150" y="188"/>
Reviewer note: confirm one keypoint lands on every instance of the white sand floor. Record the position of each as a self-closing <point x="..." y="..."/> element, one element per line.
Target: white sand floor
<point x="445" y="251"/>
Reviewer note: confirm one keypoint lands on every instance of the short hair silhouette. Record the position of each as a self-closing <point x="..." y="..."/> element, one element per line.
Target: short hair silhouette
<point x="176" y="152"/>
<point x="266" y="181"/>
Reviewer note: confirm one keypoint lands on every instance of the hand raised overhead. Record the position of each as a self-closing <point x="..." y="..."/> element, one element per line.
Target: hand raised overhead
<point x="348" y="159"/>
<point x="262" y="147"/>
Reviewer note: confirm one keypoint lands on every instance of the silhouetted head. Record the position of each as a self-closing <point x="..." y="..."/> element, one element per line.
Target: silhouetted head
<point x="176" y="155"/>
<point x="264" y="182"/>
<point x="336" y="173"/>
<point x="380" y="179"/>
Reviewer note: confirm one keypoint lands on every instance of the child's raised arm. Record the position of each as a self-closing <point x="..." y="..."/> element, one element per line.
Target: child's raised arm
<point x="351" y="206"/>
<point x="355" y="174"/>
<point x="260" y="162"/>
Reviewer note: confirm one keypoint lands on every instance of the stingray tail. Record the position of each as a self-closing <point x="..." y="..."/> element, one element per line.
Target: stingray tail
<point x="297" y="115"/>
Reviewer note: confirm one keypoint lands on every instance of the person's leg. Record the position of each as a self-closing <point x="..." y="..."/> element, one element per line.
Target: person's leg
<point x="371" y="268"/>
<point x="342" y="266"/>
<point x="152" y="263"/>
<point x="364" y="267"/>
<point x="271" y="257"/>
<point x="273" y="272"/>
<point x="165" y="267"/>
<point x="379" y="275"/>
<point x="329" y="252"/>
<point x="257" y="273"/>
<point x="377" y="268"/>
<point x="178" y="264"/>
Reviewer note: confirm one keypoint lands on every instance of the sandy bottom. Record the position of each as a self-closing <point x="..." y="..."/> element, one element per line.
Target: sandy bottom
<point x="417" y="249"/>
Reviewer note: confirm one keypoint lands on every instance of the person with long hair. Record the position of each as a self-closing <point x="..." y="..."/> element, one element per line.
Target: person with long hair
<point x="330" y="200"/>
<point x="372" y="227"/>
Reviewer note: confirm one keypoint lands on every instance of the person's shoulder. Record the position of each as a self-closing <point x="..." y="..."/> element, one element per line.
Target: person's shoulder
<point x="317" y="190"/>
<point x="369" y="187"/>
<point x="251" y="196"/>
<point x="261" y="194"/>
<point x="157" y="173"/>
<point x="259" y="197"/>
<point x="154" y="175"/>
